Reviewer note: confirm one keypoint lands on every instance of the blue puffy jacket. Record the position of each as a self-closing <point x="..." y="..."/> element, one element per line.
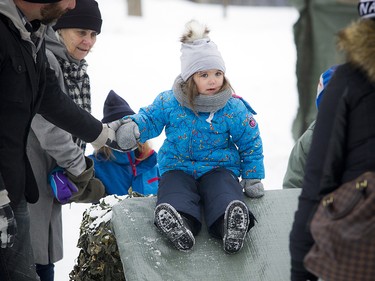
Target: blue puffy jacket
<point x="123" y="171"/>
<point x="198" y="143"/>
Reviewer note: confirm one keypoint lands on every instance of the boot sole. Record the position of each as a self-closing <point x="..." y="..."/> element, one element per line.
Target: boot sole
<point x="169" y="221"/>
<point x="236" y="223"/>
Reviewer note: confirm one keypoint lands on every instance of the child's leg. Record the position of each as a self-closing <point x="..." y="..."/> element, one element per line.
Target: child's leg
<point x="177" y="213"/>
<point x="226" y="213"/>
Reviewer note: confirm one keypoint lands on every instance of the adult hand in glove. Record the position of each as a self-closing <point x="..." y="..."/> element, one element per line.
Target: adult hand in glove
<point x="108" y="136"/>
<point x="127" y="135"/>
<point x="8" y="226"/>
<point x="90" y="189"/>
<point x="253" y="187"/>
<point x="62" y="187"/>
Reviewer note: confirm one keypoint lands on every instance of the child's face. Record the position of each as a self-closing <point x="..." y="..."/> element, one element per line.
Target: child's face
<point x="209" y="82"/>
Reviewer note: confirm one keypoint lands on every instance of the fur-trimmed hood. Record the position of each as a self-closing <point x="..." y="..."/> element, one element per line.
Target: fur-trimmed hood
<point x="358" y="42"/>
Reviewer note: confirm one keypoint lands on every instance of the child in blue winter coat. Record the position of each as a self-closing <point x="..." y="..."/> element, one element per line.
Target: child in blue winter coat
<point x="212" y="139"/>
<point x="119" y="171"/>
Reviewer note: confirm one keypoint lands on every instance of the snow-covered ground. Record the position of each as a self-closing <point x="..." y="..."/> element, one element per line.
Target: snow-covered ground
<point x="139" y="57"/>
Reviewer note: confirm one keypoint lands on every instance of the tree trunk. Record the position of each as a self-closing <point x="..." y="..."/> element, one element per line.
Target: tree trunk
<point x="134" y="8"/>
<point x="225" y="7"/>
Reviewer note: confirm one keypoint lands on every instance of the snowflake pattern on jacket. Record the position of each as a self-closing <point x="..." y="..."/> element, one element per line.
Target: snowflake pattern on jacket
<point x="198" y="143"/>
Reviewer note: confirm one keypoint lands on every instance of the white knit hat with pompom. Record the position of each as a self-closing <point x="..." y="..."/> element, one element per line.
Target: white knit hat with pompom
<point x="198" y="52"/>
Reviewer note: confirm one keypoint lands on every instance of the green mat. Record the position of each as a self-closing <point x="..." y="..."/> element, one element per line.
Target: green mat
<point x="146" y="255"/>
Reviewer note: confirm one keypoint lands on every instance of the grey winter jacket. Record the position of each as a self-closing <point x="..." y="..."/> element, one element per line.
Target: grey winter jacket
<point x="48" y="147"/>
<point x="297" y="160"/>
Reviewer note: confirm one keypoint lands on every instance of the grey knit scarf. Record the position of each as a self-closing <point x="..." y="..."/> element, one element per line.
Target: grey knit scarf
<point x="78" y="84"/>
<point x="202" y="103"/>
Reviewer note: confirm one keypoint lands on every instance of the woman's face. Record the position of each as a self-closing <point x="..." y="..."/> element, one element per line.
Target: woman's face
<point x="78" y="42"/>
<point x="209" y="82"/>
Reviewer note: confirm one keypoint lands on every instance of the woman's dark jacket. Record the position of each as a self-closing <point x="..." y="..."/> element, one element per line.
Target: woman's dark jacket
<point x="27" y="87"/>
<point x="343" y="145"/>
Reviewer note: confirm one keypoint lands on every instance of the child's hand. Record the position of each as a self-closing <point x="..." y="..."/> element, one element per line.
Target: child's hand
<point x="253" y="187"/>
<point x="127" y="135"/>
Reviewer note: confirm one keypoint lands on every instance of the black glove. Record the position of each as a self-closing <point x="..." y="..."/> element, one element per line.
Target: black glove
<point x="8" y="227"/>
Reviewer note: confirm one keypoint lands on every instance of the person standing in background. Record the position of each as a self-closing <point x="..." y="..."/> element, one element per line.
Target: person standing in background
<point x="68" y="43"/>
<point x="342" y="146"/>
<point x="314" y="36"/>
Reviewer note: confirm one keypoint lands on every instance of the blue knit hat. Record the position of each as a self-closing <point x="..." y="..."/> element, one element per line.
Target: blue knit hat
<point x="115" y="107"/>
<point x="324" y="78"/>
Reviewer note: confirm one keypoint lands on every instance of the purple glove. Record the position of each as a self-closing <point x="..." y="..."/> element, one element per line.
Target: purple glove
<point x="62" y="187"/>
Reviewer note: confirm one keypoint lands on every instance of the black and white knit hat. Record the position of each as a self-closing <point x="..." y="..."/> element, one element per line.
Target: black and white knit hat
<point x="198" y="52"/>
<point x="85" y="15"/>
<point x="366" y="9"/>
<point x="115" y="107"/>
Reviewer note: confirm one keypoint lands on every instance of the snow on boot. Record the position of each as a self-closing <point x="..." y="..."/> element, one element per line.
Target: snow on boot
<point x="170" y="222"/>
<point x="236" y="223"/>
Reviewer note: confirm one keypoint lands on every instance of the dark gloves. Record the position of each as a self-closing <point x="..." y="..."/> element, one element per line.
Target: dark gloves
<point x="61" y="186"/>
<point x="8" y="227"/>
<point x="90" y="189"/>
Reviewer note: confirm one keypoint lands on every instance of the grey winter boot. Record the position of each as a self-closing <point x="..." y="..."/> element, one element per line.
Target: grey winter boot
<point x="236" y="223"/>
<point x="170" y="222"/>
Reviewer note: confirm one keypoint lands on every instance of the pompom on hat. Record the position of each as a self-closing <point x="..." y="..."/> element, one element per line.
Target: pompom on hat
<point x="85" y="15"/>
<point x="198" y="52"/>
<point x="115" y="107"/>
<point x="366" y="9"/>
<point x="324" y="78"/>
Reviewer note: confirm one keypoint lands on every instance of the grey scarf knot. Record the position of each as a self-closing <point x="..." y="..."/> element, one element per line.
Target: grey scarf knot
<point x="202" y="103"/>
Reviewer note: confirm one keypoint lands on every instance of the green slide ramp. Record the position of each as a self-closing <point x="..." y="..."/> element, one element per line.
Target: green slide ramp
<point x="147" y="255"/>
